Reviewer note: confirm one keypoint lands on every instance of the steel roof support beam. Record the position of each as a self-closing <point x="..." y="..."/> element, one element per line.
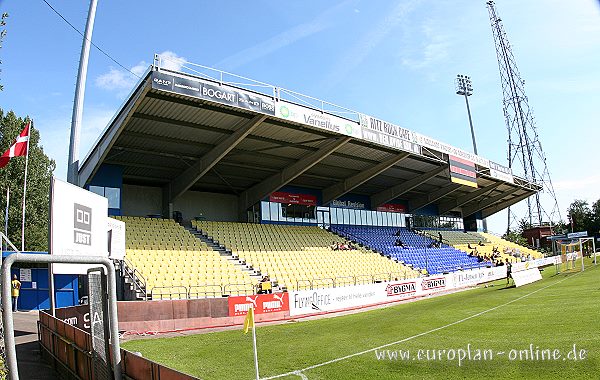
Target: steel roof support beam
<point x="277" y="180"/>
<point x="192" y="174"/>
<point x="341" y="188"/>
<point x="463" y="200"/>
<point x="432" y="197"/>
<point x="404" y="187"/>
<point x="501" y="206"/>
<point x="484" y="203"/>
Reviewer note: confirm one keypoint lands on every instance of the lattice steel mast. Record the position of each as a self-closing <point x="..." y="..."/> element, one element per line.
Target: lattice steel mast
<point x="524" y="148"/>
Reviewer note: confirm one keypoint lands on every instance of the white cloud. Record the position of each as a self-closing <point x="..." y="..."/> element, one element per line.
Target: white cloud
<point x="171" y="61"/>
<point x="368" y="42"/>
<point x="434" y="49"/>
<point x="288" y="37"/>
<point x="122" y="81"/>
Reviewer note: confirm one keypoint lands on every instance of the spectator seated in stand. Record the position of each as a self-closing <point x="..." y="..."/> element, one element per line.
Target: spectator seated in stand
<point x="265" y="286"/>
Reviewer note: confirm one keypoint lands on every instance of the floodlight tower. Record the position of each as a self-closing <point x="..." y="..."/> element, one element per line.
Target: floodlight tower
<point x="464" y="86"/>
<point x="525" y="154"/>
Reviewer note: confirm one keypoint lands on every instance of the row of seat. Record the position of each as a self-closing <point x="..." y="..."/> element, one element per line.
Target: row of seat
<point x="421" y="252"/>
<point x="168" y="256"/>
<point x="295" y="255"/>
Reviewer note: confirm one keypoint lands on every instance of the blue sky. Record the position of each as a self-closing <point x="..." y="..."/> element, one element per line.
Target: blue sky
<point x="396" y="60"/>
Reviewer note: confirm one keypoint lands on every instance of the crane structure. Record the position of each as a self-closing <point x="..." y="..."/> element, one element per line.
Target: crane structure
<point x="525" y="154"/>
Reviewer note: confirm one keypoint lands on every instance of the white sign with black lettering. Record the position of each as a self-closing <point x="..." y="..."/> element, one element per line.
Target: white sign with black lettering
<point x="77" y="224"/>
<point x="116" y="239"/>
<point x="25" y="275"/>
<point x="525" y="277"/>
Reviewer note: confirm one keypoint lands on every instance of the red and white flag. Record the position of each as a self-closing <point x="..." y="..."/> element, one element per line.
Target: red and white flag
<point x="19" y="148"/>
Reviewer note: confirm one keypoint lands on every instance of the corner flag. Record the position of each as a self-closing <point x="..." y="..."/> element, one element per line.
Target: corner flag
<point x="249" y="321"/>
<point x="249" y="324"/>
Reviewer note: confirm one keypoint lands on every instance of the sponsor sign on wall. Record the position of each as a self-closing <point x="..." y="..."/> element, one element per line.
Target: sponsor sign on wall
<point x="478" y="276"/>
<point x="296" y="199"/>
<point x="501" y="172"/>
<point x="388" y="207"/>
<point x="317" y="119"/>
<point x="449" y="149"/>
<point x="357" y="205"/>
<point x="262" y="304"/>
<point x="25" y="275"/>
<point x="116" y="239"/>
<point x="77" y="224"/>
<point x="537" y="263"/>
<point x="213" y="92"/>
<point x="387" y="134"/>
<point x="525" y="277"/>
<point x="316" y="301"/>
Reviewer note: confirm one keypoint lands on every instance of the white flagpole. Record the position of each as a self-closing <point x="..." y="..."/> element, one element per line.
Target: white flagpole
<point x="25" y="188"/>
<point x="255" y="351"/>
<point x="6" y="214"/>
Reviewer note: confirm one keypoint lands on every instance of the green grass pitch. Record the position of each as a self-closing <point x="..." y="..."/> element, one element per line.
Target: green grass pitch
<point x="553" y="314"/>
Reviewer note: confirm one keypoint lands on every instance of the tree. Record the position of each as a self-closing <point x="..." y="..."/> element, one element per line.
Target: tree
<point x="2" y="35"/>
<point x="580" y="214"/>
<point x="516" y="236"/>
<point x="40" y="168"/>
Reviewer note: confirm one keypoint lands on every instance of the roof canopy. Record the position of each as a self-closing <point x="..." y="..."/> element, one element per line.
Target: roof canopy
<point x="184" y="132"/>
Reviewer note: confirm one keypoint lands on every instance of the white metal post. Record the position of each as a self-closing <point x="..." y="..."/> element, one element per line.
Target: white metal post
<point x="255" y="349"/>
<point x="25" y="187"/>
<point x="73" y="169"/>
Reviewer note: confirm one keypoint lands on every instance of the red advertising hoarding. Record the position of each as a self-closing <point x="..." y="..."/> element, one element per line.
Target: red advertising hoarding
<point x="262" y="303"/>
<point x="298" y="199"/>
<point x="388" y="207"/>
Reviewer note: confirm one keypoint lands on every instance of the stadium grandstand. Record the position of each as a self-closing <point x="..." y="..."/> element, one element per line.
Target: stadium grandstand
<point x="222" y="180"/>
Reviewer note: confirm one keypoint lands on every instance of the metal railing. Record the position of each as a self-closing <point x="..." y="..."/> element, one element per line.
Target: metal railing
<point x="345" y="281"/>
<point x="238" y="289"/>
<point x="327" y="282"/>
<point x="155" y="294"/>
<point x="337" y="282"/>
<point x="139" y="281"/>
<point x="196" y="291"/>
<point x="274" y="92"/>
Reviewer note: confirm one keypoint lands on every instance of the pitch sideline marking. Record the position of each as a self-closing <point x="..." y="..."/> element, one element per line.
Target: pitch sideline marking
<point x="299" y="372"/>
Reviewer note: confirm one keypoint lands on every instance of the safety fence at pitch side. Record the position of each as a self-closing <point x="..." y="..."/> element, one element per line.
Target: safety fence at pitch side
<point x="69" y="349"/>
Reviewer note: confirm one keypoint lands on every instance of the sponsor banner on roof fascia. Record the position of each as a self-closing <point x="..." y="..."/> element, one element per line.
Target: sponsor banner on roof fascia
<point x="478" y="276"/>
<point x="387" y="134"/>
<point x="317" y="119"/>
<point x="428" y="142"/>
<point x="262" y="304"/>
<point x="214" y="92"/>
<point x="525" y="277"/>
<point x="545" y="261"/>
<point x="306" y="302"/>
<point x="501" y="172"/>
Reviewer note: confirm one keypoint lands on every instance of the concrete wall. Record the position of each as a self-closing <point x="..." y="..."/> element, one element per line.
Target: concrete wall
<point x="145" y="200"/>
<point x="217" y="207"/>
<point x="141" y="200"/>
